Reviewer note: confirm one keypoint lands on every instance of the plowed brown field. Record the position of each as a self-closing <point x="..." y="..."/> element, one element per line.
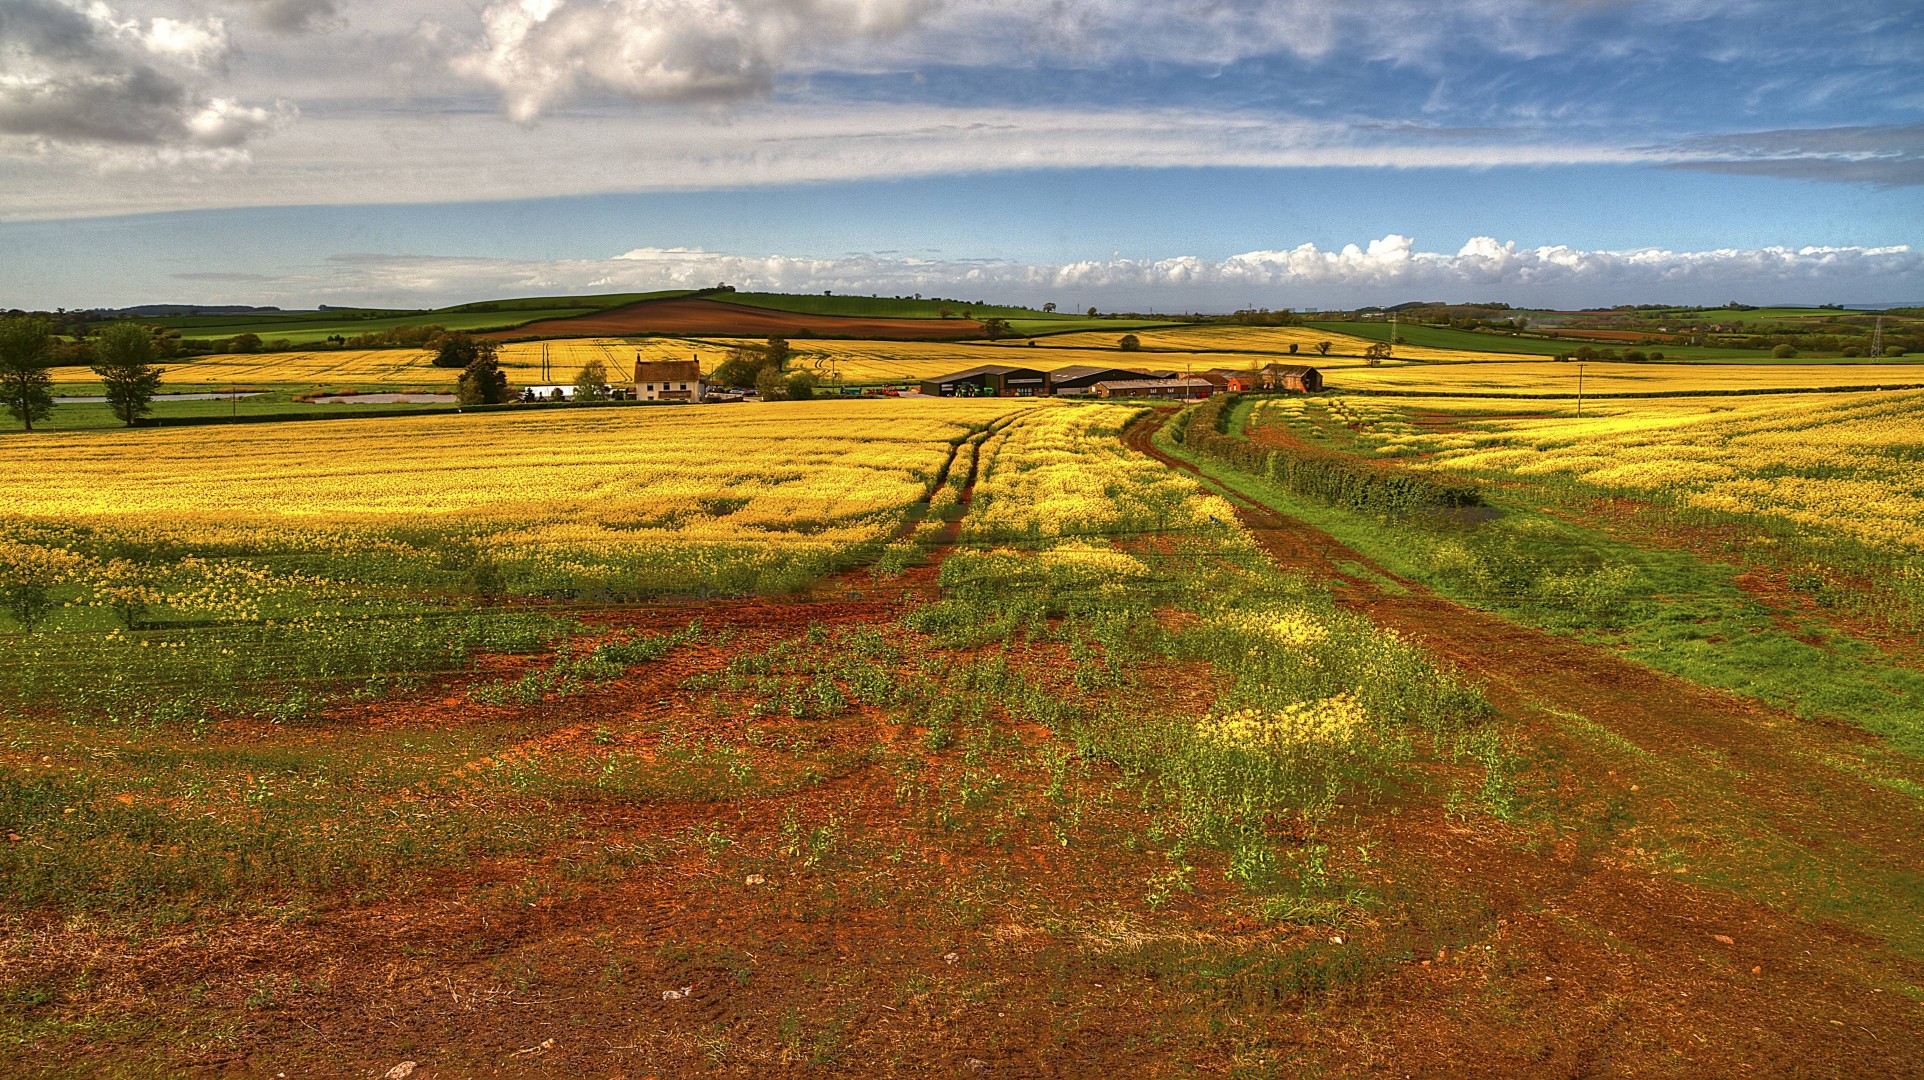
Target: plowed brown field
<point x="710" y="317"/>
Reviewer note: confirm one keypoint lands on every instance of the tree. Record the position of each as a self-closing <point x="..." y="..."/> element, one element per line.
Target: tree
<point x="1092" y="313"/>
<point x="1130" y="343"/>
<point x="244" y="343"/>
<point x="460" y="350"/>
<point x="26" y="352"/>
<point x="1323" y="347"/>
<point x="799" y="386"/>
<point x="1378" y="352"/>
<point x="745" y="363"/>
<point x="1050" y="308"/>
<point x="1292" y="348"/>
<point x="1783" y="352"/>
<point x="740" y="367"/>
<point x="997" y="328"/>
<point x="482" y="383"/>
<point x="124" y="356"/>
<point x="591" y="382"/>
<point x="768" y="384"/>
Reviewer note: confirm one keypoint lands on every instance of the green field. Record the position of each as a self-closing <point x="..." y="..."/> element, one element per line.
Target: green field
<point x="1777" y="314"/>
<point x="278" y="403"/>
<point x="308" y="327"/>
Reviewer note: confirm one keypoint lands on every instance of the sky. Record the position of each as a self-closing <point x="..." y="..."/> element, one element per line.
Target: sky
<point x="1124" y="154"/>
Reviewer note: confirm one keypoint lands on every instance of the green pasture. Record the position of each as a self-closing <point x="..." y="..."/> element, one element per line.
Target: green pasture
<point x="309" y="327"/>
<point x="278" y="402"/>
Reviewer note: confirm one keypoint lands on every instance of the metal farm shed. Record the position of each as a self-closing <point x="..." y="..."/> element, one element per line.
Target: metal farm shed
<point x="989" y="380"/>
<point x="1077" y="379"/>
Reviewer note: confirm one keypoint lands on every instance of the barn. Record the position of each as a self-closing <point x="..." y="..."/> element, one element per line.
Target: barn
<point x="1303" y="380"/>
<point x="1185" y="388"/>
<point x="1076" y="380"/>
<point x="1234" y="381"/>
<point x="989" y="380"/>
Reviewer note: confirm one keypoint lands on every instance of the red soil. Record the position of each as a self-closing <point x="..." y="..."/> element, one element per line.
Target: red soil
<point x="688" y="315"/>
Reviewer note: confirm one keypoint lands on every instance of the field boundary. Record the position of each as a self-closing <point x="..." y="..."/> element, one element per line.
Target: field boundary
<point x="1621" y="394"/>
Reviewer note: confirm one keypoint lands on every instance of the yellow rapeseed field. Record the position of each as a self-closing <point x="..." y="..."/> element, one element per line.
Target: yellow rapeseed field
<point x="870" y="362"/>
<point x="1838" y="465"/>
<point x="1270" y="343"/>
<point x="669" y="495"/>
<point x="371" y="368"/>
<point x="1553" y="377"/>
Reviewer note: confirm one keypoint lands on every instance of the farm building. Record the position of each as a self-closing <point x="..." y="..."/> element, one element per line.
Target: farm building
<point x="1076" y="380"/>
<point x="989" y="380"/>
<point x="1234" y="381"/>
<point x="669" y="380"/>
<point x="1172" y="388"/>
<point x="1303" y="380"/>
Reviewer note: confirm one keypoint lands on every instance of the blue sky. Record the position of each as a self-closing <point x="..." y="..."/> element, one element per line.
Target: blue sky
<point x="1129" y="154"/>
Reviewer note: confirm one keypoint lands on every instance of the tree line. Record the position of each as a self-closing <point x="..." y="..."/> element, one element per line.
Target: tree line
<point x="124" y="357"/>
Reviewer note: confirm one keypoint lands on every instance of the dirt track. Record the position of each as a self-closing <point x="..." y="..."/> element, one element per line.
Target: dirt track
<point x="1567" y="944"/>
<point x="697" y="316"/>
<point x="1698" y="840"/>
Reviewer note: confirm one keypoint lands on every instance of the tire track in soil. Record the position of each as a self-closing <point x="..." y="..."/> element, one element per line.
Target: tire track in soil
<point x="1726" y="780"/>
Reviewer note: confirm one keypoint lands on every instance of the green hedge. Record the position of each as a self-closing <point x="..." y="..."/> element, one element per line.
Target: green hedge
<point x="1330" y="478"/>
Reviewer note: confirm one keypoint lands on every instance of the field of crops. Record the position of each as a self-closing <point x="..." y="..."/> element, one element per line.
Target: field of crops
<point x="868" y="362"/>
<point x="372" y="368"/>
<point x="849" y="736"/>
<point x="1268" y="342"/>
<point x="665" y="500"/>
<point x="1842" y="465"/>
<point x="1560" y="378"/>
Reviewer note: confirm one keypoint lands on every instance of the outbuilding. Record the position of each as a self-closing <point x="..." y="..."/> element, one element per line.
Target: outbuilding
<point x="1235" y="381"/>
<point x="989" y="380"/>
<point x="1185" y="388"/>
<point x="1303" y="380"/>
<point x="1076" y="380"/>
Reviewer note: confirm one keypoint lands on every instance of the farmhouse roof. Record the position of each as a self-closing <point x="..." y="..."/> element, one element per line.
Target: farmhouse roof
<point x="1145" y="384"/>
<point x="1288" y="369"/>
<point x="970" y="373"/>
<point x="667" y="370"/>
<point x="1078" y="371"/>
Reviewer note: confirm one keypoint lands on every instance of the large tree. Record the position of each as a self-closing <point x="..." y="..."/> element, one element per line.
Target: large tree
<point x="591" y="382"/>
<point x="483" y="383"/>
<point x="26" y="352"/>
<point x="124" y="356"/>
<point x="746" y="363"/>
<point x="799" y="386"/>
<point x="458" y="350"/>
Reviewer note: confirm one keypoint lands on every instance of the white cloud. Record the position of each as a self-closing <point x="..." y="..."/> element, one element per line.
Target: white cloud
<point x="335" y="159"/>
<point x="1386" y="270"/>
<point x="92" y="84"/>
<point x="541" y="52"/>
